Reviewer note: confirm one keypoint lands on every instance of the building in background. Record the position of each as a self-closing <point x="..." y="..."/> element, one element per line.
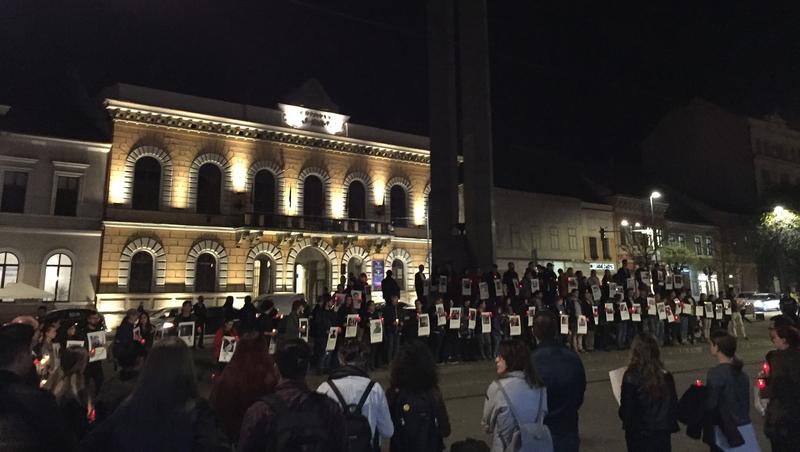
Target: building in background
<point x="51" y="205"/>
<point x="214" y="198"/>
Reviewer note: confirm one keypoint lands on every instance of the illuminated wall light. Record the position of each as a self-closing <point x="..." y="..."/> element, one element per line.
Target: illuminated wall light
<point x="337" y="204"/>
<point x="419" y="212"/>
<point x="116" y="188"/>
<point x="378" y="187"/>
<point x="293" y="115"/>
<point x="239" y="176"/>
<point x="180" y="189"/>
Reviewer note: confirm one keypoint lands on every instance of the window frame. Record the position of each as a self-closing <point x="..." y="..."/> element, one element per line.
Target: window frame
<point x="14" y="169"/>
<point x="58" y="266"/>
<point x="152" y="271"/>
<point x="54" y="193"/>
<point x="4" y="264"/>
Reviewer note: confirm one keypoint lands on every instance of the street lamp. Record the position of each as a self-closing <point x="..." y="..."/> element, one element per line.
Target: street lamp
<point x="778" y="210"/>
<point x="654" y="195"/>
<point x="624" y="223"/>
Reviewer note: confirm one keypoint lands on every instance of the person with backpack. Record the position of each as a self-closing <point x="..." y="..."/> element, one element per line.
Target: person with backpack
<point x="415" y="402"/>
<point x="516" y="403"/>
<point x="293" y="417"/>
<point x="366" y="412"/>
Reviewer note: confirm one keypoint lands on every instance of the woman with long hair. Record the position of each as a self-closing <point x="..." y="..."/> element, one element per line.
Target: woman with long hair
<point x="728" y="401"/>
<point x="47" y="351"/>
<point x="250" y="375"/>
<point x="415" y="402"/>
<point x="69" y="389"/>
<point x="164" y="413"/>
<point x="782" y="389"/>
<point x="518" y="396"/>
<point x="649" y="404"/>
<point x="146" y="329"/>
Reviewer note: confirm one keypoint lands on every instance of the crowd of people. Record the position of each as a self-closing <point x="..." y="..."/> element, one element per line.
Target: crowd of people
<point x="51" y="372"/>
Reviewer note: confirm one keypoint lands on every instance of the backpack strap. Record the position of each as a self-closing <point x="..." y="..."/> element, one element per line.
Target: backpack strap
<point x="338" y="394"/>
<point x="508" y="403"/>
<point x="365" y="395"/>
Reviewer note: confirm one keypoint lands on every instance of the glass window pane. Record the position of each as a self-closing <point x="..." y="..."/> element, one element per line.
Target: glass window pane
<point x="67" y="196"/>
<point x="15" y="184"/>
<point x="50" y="280"/>
<point x="64" y="279"/>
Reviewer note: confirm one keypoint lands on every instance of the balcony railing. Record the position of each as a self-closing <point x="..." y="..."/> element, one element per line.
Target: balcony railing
<point x="309" y="223"/>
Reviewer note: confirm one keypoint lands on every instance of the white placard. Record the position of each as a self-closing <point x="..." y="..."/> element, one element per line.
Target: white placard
<point x="455" y="318"/>
<point x="515" y="325"/>
<point x="612" y="289"/>
<point x="486" y="322"/>
<point x="582" y="326"/>
<point x="623" y="311"/>
<point x="718" y="311"/>
<point x="71" y="344"/>
<point x="531" y="314"/>
<point x="441" y="316"/>
<point x="534" y="285"/>
<point x="597" y="294"/>
<point x="273" y="345"/>
<point x="636" y="316"/>
<point x="669" y="314"/>
<point x="303" y="327"/>
<point x="709" y="308"/>
<point x="678" y="281"/>
<point x="595" y="313"/>
<point x="498" y="287"/>
<point x="351" y="325"/>
<point x="662" y="312"/>
<point x="333" y="334"/>
<point x="423" y="325"/>
<point x="698" y="310"/>
<point x="472" y="319"/>
<point x="97" y="345"/>
<point x="609" y="307"/>
<point x="651" y="306"/>
<point x="228" y="349"/>
<point x="660" y="276"/>
<point x="572" y="283"/>
<point x="615" y="376"/>
<point x="678" y="306"/>
<point x="442" y="284"/>
<point x="466" y="287"/>
<point x="375" y="331"/>
<point x="358" y="297"/>
<point x="727" y="306"/>
<point x="564" y="324"/>
<point x="645" y="278"/>
<point x="631" y="284"/>
<point x="483" y="287"/>
<point x="669" y="282"/>
<point x="186" y="332"/>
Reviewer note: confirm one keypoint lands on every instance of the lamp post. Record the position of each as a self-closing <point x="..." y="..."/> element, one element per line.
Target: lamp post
<point x="654" y="195"/>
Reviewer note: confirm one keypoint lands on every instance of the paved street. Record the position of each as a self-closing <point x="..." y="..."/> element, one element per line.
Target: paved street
<point x="464" y="385"/>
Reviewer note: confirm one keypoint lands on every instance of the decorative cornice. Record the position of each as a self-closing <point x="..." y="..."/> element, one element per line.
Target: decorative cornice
<point x="267" y="133"/>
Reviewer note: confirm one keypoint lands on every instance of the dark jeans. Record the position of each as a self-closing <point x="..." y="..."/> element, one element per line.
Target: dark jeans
<point x="485" y="346"/>
<point x="200" y="334"/>
<point x="392" y="345"/>
<point x="437" y="344"/>
<point x="94" y="373"/>
<point x="648" y="441"/>
<point x="566" y="441"/>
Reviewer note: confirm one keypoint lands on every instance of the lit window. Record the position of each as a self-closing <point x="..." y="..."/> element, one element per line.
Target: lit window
<point x="398" y="273"/>
<point x="709" y="247"/>
<point x="58" y="276"/>
<point x="698" y="246"/>
<point x="681" y="240"/>
<point x="9" y="268"/>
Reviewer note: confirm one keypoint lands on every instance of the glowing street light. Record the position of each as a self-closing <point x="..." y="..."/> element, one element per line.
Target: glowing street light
<point x="778" y="210"/>
<point x="654" y="195"/>
<point x="624" y="223"/>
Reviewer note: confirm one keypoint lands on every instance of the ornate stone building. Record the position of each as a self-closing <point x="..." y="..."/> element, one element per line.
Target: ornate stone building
<point x="215" y="198"/>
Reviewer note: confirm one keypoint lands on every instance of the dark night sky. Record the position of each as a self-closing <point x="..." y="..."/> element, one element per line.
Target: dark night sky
<point x="581" y="81"/>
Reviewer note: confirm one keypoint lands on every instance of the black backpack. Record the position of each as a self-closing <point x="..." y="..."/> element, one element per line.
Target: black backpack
<point x="300" y="428"/>
<point x="359" y="437"/>
<point x="416" y="425"/>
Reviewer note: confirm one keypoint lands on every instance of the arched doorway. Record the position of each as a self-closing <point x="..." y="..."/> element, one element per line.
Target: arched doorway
<point x="206" y="273"/>
<point x="312" y="273"/>
<point x="141" y="276"/>
<point x="209" y="189"/>
<point x="399" y="273"/>
<point x="355" y="266"/>
<point x="263" y="275"/>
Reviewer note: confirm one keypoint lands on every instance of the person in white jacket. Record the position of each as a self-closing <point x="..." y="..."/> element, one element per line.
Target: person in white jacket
<point x="352" y="380"/>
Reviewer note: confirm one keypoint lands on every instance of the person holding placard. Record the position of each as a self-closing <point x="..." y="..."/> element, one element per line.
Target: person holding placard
<point x="226" y="329"/>
<point x="438" y="328"/>
<point x="673" y="329"/>
<point x="391" y="329"/>
<point x="94" y="370"/>
<point x="500" y="328"/>
<point x="648" y="401"/>
<point x="484" y="331"/>
<point x="575" y="311"/>
<point x="687" y="317"/>
<point x="511" y="281"/>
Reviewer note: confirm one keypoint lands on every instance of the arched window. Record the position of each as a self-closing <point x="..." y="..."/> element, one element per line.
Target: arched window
<point x="356" y="200"/>
<point x="313" y="197"/>
<point x="264" y="192"/>
<point x="398" y="273"/>
<point x="141" y="273"/>
<point x="58" y="276"/>
<point x="263" y="275"/>
<point x="9" y="268"/>
<point x="397" y="201"/>
<point x="146" y="184"/>
<point x="209" y="189"/>
<point x="206" y="273"/>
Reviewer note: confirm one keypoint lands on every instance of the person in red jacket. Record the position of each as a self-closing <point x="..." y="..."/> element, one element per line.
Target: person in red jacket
<point x="227" y="329"/>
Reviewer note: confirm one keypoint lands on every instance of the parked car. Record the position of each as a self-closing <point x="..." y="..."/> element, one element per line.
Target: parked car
<point x="764" y="302"/>
<point x="72" y="315"/>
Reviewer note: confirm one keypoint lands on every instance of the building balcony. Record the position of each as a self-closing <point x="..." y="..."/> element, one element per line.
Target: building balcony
<point x="317" y="224"/>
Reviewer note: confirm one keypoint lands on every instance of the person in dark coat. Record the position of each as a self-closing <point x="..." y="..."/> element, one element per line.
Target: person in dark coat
<point x="124" y="334"/>
<point x="649" y="404"/>
<point x="247" y="315"/>
<point x="563" y="374"/>
<point x="26" y="412"/>
<point x="419" y="283"/>
<point x="228" y="311"/>
<point x="201" y="315"/>
<point x="389" y="287"/>
<point x="119" y="387"/>
<point x="94" y="370"/>
<point x="782" y="420"/>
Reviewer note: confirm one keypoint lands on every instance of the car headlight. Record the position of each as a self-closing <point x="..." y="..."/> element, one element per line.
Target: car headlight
<point x="167" y="325"/>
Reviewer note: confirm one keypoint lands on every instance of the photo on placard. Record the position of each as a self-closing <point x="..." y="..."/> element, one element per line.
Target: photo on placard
<point x="227" y="350"/>
<point x="483" y="288"/>
<point x="186" y="332"/>
<point x="466" y="287"/>
<point x="304" y="329"/>
<point x="609" y="309"/>
<point x="486" y="320"/>
<point x="377" y="328"/>
<point x="352" y="320"/>
<point x="514" y="320"/>
<point x="332" y="333"/>
<point x="424" y="321"/>
<point x="455" y="313"/>
<point x="97" y="345"/>
<point x="473" y="314"/>
<point x="423" y="325"/>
